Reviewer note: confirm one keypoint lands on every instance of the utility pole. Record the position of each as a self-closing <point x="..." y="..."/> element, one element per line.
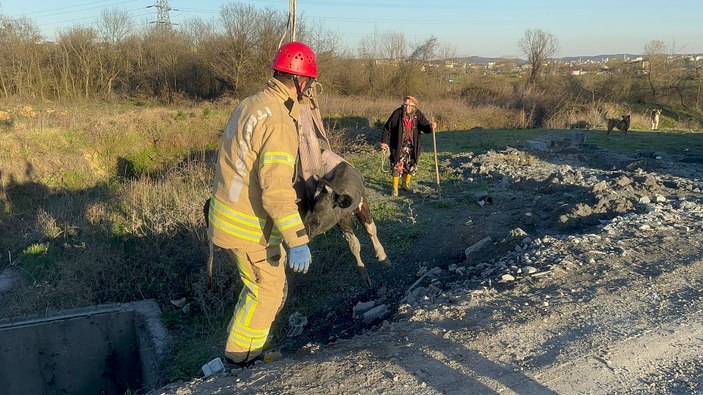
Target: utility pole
<point x="162" y="17"/>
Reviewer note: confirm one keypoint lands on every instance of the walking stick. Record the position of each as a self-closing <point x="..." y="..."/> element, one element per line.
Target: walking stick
<point x="436" y="163"/>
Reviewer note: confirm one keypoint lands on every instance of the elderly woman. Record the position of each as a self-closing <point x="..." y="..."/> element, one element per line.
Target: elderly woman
<point x="401" y="134"/>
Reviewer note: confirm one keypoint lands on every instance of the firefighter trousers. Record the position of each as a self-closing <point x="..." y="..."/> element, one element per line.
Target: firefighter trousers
<point x="263" y="273"/>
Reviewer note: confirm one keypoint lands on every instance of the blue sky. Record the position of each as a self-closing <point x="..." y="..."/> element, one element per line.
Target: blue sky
<point x="482" y="28"/>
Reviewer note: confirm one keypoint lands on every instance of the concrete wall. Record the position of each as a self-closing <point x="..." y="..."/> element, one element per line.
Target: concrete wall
<point x="109" y="349"/>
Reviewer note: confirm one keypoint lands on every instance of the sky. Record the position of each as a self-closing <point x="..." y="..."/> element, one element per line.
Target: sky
<point x="488" y="28"/>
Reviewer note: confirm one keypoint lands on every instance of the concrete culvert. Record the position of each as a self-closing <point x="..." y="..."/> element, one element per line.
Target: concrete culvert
<point x="109" y="349"/>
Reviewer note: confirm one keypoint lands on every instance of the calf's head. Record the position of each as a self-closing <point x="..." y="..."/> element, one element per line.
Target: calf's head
<point x="327" y="210"/>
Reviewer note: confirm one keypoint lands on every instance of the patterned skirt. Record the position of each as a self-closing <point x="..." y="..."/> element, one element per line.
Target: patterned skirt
<point x="406" y="163"/>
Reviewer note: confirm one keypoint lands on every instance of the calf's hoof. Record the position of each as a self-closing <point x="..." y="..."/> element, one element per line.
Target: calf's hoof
<point x="365" y="279"/>
<point x="367" y="282"/>
<point x="385" y="262"/>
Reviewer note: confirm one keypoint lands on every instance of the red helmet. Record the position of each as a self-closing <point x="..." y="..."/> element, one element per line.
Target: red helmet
<point x="296" y="58"/>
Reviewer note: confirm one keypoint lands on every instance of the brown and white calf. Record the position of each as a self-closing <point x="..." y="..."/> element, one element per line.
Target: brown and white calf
<point x="339" y="197"/>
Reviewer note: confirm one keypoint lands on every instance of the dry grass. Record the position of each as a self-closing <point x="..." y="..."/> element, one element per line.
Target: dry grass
<point x="62" y="181"/>
<point x="81" y="147"/>
<point x="106" y="238"/>
<point x="82" y="233"/>
<point x="28" y="112"/>
<point x="450" y="114"/>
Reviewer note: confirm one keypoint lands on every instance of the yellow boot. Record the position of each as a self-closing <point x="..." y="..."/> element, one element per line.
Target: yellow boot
<point x="406" y="182"/>
<point x="396" y="181"/>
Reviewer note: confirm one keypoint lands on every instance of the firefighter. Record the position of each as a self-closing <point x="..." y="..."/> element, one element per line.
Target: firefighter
<point x="253" y="213"/>
<point x="401" y="137"/>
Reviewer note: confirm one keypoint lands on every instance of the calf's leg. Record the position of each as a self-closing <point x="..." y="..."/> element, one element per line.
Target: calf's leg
<point x="345" y="226"/>
<point x="363" y="214"/>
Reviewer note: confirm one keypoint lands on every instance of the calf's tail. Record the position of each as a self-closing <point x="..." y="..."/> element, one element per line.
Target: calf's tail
<point x="210" y="259"/>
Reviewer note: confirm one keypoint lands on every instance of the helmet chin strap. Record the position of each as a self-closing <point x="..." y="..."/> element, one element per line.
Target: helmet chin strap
<point x="299" y="91"/>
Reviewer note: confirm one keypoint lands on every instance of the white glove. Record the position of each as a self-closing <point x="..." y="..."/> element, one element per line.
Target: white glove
<point x="299" y="258"/>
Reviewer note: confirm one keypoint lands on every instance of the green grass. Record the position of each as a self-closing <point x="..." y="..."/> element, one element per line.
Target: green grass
<point x="39" y="262"/>
<point x="670" y="142"/>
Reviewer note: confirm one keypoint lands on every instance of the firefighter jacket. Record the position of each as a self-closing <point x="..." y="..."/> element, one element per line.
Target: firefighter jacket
<point x="253" y="200"/>
<point x="393" y="132"/>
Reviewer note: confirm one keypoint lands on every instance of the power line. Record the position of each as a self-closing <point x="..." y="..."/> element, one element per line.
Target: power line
<point x="356" y="4"/>
<point x="385" y="20"/>
<point x="72" y="9"/>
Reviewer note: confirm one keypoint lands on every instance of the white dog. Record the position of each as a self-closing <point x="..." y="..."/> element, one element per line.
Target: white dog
<point x="655" y="118"/>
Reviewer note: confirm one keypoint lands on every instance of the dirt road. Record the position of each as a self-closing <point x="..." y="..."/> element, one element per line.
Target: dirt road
<point x="591" y="282"/>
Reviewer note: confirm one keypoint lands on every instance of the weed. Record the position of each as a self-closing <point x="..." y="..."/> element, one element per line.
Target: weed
<point x="139" y="163"/>
<point x="28" y="112"/>
<point x="39" y="262"/>
<point x="180" y="116"/>
<point x="5" y="119"/>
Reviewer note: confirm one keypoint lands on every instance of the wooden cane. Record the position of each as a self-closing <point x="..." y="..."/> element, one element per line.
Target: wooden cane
<point x="436" y="163"/>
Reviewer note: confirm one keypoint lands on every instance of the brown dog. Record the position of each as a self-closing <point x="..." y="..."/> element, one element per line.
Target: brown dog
<point x="620" y="124"/>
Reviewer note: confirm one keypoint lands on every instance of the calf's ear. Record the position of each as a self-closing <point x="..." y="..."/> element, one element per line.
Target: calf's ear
<point x="343" y="201"/>
<point x="322" y="187"/>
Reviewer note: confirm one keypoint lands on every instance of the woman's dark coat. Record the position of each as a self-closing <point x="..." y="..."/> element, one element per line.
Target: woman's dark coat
<point x="393" y="132"/>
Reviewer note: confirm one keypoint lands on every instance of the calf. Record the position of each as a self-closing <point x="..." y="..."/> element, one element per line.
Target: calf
<point x="339" y="196"/>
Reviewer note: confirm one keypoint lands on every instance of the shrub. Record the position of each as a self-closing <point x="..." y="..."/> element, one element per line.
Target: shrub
<point x="5" y="119"/>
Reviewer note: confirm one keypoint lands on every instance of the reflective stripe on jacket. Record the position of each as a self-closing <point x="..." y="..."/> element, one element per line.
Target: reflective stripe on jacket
<point x="253" y="196"/>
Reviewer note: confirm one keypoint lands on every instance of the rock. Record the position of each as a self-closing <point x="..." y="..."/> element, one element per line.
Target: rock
<point x="362" y="307"/>
<point x="9" y="279"/>
<point x="376" y="313"/>
<point x="623" y="181"/>
<point x="477" y="246"/>
<point x="507" y="277"/>
<point x="517" y="232"/>
<point x="529" y="270"/>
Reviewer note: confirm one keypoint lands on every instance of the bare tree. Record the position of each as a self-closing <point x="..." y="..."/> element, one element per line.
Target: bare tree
<point x="446" y="51"/>
<point x="81" y="61"/>
<point x="321" y="39"/>
<point x="425" y="51"/>
<point x="114" y="26"/>
<point x="240" y="56"/>
<point x="370" y="54"/>
<point x="394" y="46"/>
<point x="20" y="57"/>
<point x="538" y="46"/>
<point x="655" y="51"/>
<point x="165" y="62"/>
<point x="698" y="78"/>
<point x="199" y="31"/>
<point x="414" y="75"/>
